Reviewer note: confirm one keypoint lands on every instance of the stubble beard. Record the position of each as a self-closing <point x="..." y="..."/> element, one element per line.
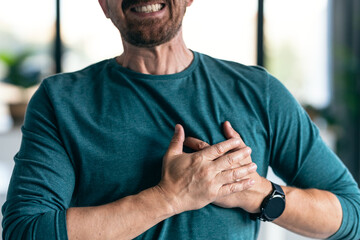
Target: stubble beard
<point x="150" y="32"/>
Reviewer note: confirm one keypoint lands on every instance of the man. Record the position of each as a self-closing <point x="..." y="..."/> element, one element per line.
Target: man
<point x="96" y="163"/>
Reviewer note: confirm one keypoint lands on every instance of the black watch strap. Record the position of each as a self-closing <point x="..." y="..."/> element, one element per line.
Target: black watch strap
<point x="272" y="206"/>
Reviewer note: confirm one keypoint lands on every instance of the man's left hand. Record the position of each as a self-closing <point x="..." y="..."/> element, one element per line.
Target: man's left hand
<point x="250" y="199"/>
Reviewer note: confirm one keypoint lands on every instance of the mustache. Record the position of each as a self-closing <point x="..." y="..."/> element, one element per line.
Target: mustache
<point x="126" y="4"/>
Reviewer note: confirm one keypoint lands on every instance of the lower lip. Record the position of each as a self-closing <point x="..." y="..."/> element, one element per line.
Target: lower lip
<point x="151" y="14"/>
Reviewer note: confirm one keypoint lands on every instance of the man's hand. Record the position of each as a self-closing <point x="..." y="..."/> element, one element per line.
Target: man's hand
<point x="192" y="181"/>
<point x="251" y="198"/>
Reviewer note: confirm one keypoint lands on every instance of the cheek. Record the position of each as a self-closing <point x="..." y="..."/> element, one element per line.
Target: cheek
<point x="117" y="16"/>
<point x="115" y="9"/>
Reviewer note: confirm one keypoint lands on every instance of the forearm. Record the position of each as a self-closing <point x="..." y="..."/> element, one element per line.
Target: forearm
<point x="123" y="219"/>
<point x="189" y="182"/>
<point x="311" y="212"/>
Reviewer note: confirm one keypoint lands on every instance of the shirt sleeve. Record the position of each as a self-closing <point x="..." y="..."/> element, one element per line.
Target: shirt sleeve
<point x="301" y="158"/>
<point x="43" y="178"/>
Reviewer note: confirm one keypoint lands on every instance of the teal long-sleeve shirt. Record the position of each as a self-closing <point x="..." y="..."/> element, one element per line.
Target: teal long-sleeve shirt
<point x="97" y="135"/>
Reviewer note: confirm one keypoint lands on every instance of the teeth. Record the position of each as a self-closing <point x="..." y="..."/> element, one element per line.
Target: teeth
<point x="148" y="8"/>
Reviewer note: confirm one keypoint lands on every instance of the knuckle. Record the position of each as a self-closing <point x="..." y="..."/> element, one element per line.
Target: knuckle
<point x="232" y="188"/>
<point x="235" y="175"/>
<point x="238" y="174"/>
<point x="202" y="145"/>
<point x="175" y="139"/>
<point x="235" y="135"/>
<point x="219" y="149"/>
<point x="242" y="157"/>
<point x="242" y="153"/>
<point x="245" y="161"/>
<point x="197" y="157"/>
<point x="229" y="160"/>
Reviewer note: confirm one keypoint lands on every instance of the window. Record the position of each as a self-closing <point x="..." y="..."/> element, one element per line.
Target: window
<point x="297" y="48"/>
<point x="221" y="30"/>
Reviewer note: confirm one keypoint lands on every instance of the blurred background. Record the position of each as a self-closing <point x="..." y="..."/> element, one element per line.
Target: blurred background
<point x="313" y="47"/>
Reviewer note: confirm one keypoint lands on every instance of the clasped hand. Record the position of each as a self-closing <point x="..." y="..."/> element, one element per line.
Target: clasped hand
<point x="213" y="174"/>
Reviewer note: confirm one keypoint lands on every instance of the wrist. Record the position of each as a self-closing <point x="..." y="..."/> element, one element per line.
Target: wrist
<point x="272" y="206"/>
<point x="265" y="188"/>
<point x="152" y="199"/>
<point x="166" y="200"/>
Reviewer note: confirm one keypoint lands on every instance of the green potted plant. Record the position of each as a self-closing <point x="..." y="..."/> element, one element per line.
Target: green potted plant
<point x="21" y="73"/>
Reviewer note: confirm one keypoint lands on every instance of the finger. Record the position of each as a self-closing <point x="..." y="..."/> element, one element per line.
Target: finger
<point x="195" y="144"/>
<point x="233" y="160"/>
<point x="219" y="149"/>
<point x="231" y="133"/>
<point x="177" y="141"/>
<point x="239" y="186"/>
<point x="236" y="174"/>
<point x="245" y="161"/>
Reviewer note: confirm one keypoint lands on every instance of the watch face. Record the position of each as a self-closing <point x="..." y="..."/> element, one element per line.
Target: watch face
<point x="274" y="207"/>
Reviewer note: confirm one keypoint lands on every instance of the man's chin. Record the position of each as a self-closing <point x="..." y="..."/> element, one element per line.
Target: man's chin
<point x="146" y="44"/>
<point x="150" y="40"/>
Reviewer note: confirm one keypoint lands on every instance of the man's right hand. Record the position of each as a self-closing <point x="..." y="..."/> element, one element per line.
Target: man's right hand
<point x="189" y="182"/>
<point x="192" y="181"/>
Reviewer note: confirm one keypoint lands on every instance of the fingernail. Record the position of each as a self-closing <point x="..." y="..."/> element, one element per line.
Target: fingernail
<point x="177" y="128"/>
<point x="249" y="150"/>
<point x="253" y="166"/>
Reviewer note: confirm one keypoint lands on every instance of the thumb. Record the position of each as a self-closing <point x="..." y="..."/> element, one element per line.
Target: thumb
<point x="177" y="141"/>
<point x="231" y="133"/>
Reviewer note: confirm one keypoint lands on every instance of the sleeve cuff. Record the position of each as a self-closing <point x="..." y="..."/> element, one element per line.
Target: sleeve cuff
<point x="341" y="232"/>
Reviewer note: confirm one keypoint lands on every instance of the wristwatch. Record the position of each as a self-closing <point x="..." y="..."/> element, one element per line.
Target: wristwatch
<point x="273" y="205"/>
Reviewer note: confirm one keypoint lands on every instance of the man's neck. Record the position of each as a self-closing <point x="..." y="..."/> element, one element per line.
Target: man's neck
<point x="168" y="58"/>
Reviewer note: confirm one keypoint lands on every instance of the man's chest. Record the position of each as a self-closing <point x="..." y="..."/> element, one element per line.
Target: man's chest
<point x="118" y="151"/>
